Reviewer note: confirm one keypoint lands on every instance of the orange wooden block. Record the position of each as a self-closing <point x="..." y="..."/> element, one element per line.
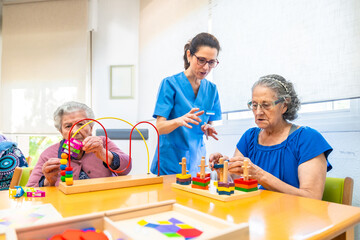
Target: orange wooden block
<point x="246" y="186"/>
<point x="200" y="187"/>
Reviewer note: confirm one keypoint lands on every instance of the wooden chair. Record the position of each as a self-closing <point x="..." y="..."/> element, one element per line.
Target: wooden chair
<point x="340" y="190"/>
<point x="20" y="176"/>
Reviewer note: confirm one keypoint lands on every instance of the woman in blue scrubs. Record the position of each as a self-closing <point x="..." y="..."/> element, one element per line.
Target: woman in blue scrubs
<point x="186" y="105"/>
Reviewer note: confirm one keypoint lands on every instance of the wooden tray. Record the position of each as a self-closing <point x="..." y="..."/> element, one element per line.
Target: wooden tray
<point x="211" y="193"/>
<point x="98" y="184"/>
<point x="123" y="224"/>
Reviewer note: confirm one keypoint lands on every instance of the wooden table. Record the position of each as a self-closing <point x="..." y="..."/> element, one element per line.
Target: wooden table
<point x="270" y="215"/>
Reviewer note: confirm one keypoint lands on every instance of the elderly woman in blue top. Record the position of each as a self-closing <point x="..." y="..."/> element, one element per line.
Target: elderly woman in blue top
<point x="283" y="157"/>
<point x="186" y="105"/>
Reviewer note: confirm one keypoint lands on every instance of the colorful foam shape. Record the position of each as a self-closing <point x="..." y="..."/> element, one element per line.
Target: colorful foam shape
<point x="167" y="228"/>
<point x="183" y="176"/>
<point x="189" y="233"/>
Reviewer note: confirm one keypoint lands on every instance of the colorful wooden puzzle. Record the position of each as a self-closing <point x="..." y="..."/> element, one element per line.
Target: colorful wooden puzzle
<point x="161" y="220"/>
<point x="221" y="190"/>
<point x="224" y="187"/>
<point x="246" y="184"/>
<point x="173" y="228"/>
<point x="183" y="178"/>
<point x="202" y="180"/>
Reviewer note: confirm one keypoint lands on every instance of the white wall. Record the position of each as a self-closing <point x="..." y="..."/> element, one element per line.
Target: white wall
<point x="115" y="41"/>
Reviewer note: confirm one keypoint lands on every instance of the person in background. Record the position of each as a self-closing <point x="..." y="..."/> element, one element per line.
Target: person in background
<point x="10" y="158"/>
<point x="282" y="156"/>
<point x="91" y="162"/>
<point x="186" y="106"/>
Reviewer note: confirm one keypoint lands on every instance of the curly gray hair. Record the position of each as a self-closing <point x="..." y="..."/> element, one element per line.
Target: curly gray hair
<point x="70" y="107"/>
<point x="284" y="90"/>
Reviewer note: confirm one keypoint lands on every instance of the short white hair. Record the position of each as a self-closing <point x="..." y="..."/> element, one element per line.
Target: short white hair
<point x="70" y="107"/>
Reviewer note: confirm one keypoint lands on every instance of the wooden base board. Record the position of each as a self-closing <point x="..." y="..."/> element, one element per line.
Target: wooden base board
<point x="211" y="193"/>
<point x="98" y="184"/>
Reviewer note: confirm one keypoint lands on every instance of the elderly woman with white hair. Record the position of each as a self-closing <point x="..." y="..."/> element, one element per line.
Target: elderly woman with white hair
<point x="282" y="156"/>
<point x="90" y="163"/>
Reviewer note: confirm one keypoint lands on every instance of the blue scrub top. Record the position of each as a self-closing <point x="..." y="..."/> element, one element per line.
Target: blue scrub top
<point x="282" y="160"/>
<point x="176" y="98"/>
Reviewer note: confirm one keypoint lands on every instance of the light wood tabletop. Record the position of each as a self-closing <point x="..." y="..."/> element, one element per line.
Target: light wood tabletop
<point x="270" y="215"/>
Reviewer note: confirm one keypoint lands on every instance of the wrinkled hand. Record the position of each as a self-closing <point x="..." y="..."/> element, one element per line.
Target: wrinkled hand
<point x="236" y="166"/>
<point x="210" y="130"/>
<point x="94" y="144"/>
<point x="51" y="170"/>
<point x="214" y="159"/>
<point x="190" y="117"/>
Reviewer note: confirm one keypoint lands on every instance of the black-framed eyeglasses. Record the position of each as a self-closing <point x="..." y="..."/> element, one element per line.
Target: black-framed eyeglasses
<point x="264" y="105"/>
<point x="202" y="61"/>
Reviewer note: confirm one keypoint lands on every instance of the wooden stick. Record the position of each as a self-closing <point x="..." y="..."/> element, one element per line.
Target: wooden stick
<point x="221" y="161"/>
<point x="225" y="180"/>
<point x="183" y="163"/>
<point x="202" y="168"/>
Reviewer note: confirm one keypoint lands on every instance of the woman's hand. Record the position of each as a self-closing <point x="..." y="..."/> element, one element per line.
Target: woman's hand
<point x="190" y="117"/>
<point x="95" y="145"/>
<point x="236" y="166"/>
<point x="209" y="130"/>
<point x="214" y="158"/>
<point x="51" y="170"/>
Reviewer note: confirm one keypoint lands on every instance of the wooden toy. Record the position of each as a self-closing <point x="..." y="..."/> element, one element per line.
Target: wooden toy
<point x="130" y="223"/>
<point x="201" y="181"/>
<point x="75" y="147"/>
<point x="183" y="178"/>
<point x="66" y="172"/>
<point x="97" y="184"/>
<point x="142" y="222"/>
<point x="246" y="184"/>
<point x="224" y="187"/>
<point x="70" y="186"/>
<point x="222" y="190"/>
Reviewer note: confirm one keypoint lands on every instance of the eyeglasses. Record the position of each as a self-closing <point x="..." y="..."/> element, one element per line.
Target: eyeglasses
<point x="265" y="105"/>
<point x="202" y="61"/>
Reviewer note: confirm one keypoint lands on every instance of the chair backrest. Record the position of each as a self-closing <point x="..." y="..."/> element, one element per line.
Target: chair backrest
<point x="20" y="176"/>
<point x="339" y="190"/>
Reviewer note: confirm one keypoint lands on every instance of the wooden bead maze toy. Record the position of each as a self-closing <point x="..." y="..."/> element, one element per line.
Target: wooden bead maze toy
<point x="246" y="184"/>
<point x="73" y="147"/>
<point x="202" y="179"/>
<point x="183" y="178"/>
<point x="87" y="185"/>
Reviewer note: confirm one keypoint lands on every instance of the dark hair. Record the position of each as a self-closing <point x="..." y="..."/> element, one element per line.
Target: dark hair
<point x="284" y="89"/>
<point x="202" y="39"/>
